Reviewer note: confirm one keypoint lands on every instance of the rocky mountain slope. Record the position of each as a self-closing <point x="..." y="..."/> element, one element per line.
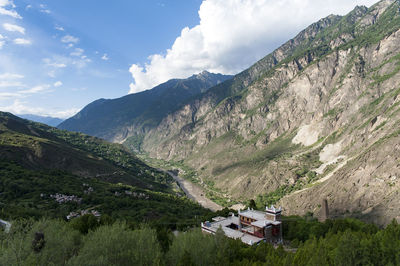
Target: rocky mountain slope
<point x="317" y="118"/>
<point x="132" y="115"/>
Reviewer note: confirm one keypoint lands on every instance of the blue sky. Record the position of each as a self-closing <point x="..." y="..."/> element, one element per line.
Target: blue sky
<point x="56" y="56"/>
<point x="78" y="51"/>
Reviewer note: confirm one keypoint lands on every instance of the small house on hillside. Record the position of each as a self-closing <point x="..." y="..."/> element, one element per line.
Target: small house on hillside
<point x="250" y="226"/>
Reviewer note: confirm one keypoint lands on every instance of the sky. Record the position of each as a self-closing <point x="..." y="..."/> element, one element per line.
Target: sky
<point x="58" y="56"/>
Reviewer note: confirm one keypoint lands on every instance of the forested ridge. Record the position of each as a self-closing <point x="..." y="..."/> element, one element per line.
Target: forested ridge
<point x="46" y="172"/>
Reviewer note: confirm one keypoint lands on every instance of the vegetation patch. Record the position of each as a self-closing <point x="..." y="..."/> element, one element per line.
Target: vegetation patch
<point x="134" y="143"/>
<point x="280" y="146"/>
<point x="28" y="193"/>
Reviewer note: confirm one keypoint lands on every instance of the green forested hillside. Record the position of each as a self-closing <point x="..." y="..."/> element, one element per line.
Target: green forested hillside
<point x="38" y="162"/>
<point x="37" y="146"/>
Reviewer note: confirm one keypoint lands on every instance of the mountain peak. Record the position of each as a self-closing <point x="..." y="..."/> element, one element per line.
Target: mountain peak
<point x="203" y="74"/>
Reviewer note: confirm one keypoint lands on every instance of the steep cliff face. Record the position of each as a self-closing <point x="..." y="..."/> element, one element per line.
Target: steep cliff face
<point x="318" y="118"/>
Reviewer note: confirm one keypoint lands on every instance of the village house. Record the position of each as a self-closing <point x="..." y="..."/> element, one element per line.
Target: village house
<point x="84" y="212"/>
<point x="61" y="198"/>
<point x="250" y="226"/>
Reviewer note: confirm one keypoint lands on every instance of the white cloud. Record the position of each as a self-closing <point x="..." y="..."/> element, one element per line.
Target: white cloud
<point x="58" y="62"/>
<point x="77" y="52"/>
<point x="7" y="3"/>
<point x="10" y="84"/>
<point x="232" y="35"/>
<point x="57" y="84"/>
<point x="81" y="63"/>
<point x="2" y="42"/>
<point x="52" y="73"/>
<point x="59" y="28"/>
<point x="8" y="12"/>
<point x="65" y="113"/>
<point x="13" y="27"/>
<point x="22" y="91"/>
<point x="105" y="57"/>
<point x="7" y="95"/>
<point x="54" y="63"/>
<point x="69" y="39"/>
<point x="22" y="107"/>
<point x="36" y="89"/>
<point x="22" y="41"/>
<point x="19" y="107"/>
<point x="11" y="13"/>
<point x="46" y="11"/>
<point x="11" y="80"/>
<point x="10" y="76"/>
<point x="57" y="65"/>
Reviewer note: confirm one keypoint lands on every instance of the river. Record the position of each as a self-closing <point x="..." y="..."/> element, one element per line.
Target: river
<point x="195" y="192"/>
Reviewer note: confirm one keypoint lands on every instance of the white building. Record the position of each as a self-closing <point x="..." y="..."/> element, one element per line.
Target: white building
<point x="250" y="226"/>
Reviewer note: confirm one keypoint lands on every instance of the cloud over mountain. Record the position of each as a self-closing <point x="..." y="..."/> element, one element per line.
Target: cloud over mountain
<point x="15" y="28"/>
<point x="231" y="35"/>
<point x="7" y="9"/>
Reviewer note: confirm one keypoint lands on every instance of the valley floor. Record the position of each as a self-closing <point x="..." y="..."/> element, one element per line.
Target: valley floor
<point x="195" y="193"/>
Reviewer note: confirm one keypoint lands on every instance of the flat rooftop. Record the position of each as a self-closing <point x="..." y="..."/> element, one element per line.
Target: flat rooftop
<point x="265" y="222"/>
<point x="229" y="232"/>
<point x="256" y="215"/>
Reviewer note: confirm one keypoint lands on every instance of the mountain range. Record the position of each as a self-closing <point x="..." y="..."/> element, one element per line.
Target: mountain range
<point x="134" y="114"/>
<point x="316" y="119"/>
<point x="48" y="120"/>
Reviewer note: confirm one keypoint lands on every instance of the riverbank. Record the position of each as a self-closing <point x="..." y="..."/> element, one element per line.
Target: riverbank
<point x="195" y="192"/>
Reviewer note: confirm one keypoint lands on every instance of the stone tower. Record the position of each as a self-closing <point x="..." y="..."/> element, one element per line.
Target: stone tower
<point x="324" y="211"/>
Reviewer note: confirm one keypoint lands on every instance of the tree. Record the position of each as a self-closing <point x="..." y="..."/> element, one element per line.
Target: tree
<point x="252" y="204"/>
<point x="201" y="247"/>
<point x="117" y="245"/>
<point x="61" y="243"/>
<point x="85" y="223"/>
